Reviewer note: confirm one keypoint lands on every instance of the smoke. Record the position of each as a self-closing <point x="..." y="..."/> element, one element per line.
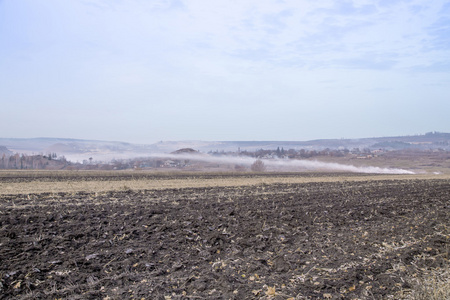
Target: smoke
<point x="271" y="164"/>
<point x="283" y="164"/>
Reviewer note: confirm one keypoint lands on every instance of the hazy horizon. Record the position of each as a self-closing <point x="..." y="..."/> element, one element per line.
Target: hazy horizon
<point x="250" y="141"/>
<point x="174" y="70"/>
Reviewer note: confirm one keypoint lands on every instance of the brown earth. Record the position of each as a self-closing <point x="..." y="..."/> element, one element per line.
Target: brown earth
<point x="364" y="239"/>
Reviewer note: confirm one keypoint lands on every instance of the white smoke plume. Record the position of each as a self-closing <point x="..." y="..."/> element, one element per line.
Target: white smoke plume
<point x="280" y="164"/>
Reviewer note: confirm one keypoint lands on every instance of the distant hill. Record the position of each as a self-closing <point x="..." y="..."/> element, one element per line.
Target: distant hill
<point x="70" y="146"/>
<point x="77" y="149"/>
<point x="432" y="140"/>
<point x="185" y="151"/>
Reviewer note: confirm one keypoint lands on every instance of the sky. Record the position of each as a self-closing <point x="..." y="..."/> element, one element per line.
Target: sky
<point x="144" y="71"/>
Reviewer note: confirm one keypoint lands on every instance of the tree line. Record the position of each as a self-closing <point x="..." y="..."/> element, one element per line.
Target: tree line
<point x="38" y="161"/>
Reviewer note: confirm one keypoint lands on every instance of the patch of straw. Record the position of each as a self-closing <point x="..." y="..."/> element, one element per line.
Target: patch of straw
<point x="434" y="285"/>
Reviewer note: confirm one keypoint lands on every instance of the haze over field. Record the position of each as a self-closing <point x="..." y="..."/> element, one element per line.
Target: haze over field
<point x="145" y="71"/>
<point x="284" y="164"/>
<point x="390" y="155"/>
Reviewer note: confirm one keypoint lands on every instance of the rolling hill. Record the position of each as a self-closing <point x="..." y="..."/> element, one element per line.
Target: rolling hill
<point x="75" y="149"/>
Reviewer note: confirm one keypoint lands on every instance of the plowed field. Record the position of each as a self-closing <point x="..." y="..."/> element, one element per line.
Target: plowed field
<point x="362" y="239"/>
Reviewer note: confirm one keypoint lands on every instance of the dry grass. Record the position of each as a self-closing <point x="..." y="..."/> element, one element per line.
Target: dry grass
<point x="428" y="283"/>
<point x="87" y="181"/>
<point x="433" y="285"/>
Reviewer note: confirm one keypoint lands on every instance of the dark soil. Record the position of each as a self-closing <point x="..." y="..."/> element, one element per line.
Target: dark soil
<point x="342" y="240"/>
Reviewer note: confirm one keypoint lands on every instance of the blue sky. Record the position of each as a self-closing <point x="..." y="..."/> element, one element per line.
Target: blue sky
<point x="145" y="71"/>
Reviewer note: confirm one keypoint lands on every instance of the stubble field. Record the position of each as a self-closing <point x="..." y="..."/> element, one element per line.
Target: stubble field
<point x="218" y="236"/>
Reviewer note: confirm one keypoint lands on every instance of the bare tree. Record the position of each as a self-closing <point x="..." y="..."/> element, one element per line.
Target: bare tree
<point x="258" y="166"/>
